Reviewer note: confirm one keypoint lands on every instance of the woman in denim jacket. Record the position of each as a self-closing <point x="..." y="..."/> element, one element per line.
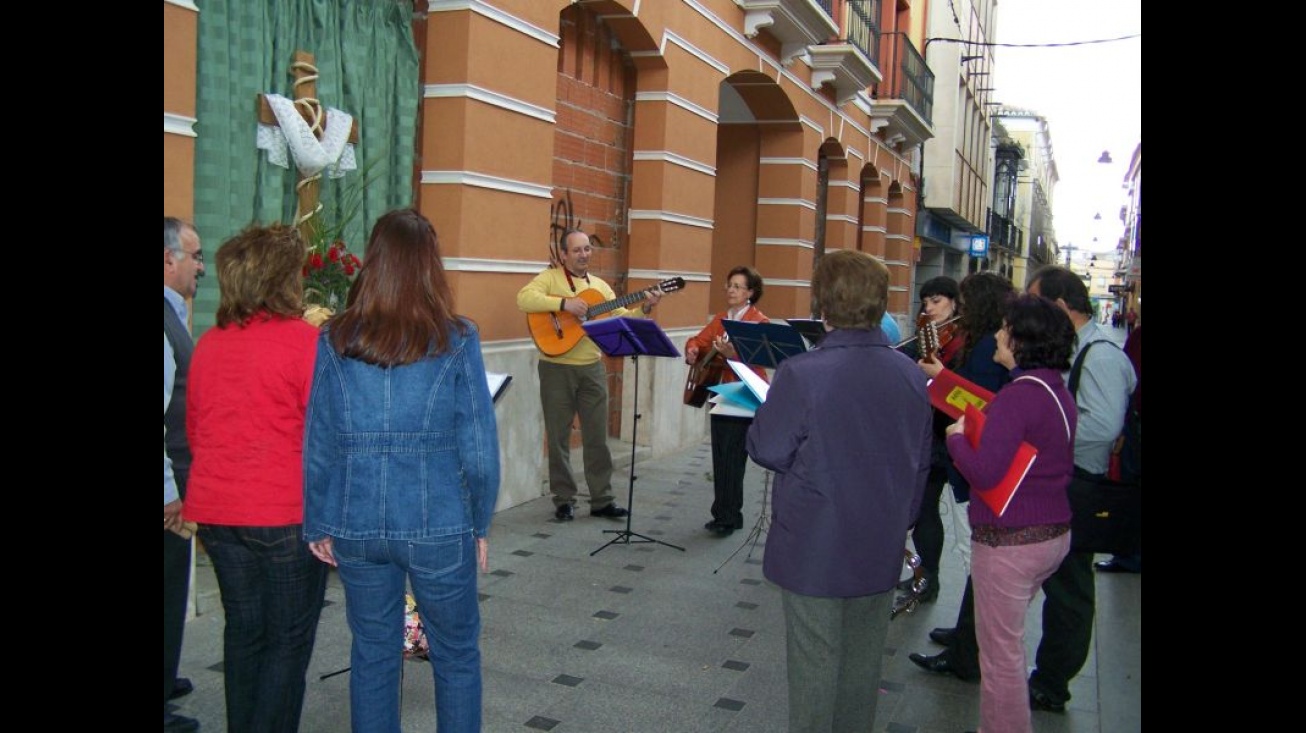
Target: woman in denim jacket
<point x="401" y="470"/>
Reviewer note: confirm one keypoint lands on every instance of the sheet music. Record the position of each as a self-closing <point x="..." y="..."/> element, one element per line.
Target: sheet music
<point x="498" y="383"/>
<point x="756" y="384"/>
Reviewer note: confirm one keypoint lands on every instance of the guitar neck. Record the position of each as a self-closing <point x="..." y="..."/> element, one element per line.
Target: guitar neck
<point x="620" y="302"/>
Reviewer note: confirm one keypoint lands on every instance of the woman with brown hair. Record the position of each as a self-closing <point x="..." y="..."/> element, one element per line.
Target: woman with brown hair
<point x="729" y="458"/>
<point x="245" y="401"/>
<point x="401" y="457"/>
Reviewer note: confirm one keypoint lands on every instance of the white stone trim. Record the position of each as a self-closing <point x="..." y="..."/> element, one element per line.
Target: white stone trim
<point x="669" y="216"/>
<point x="698" y="53"/>
<point x="666" y="156"/>
<point x="187" y="4"/>
<point x="874" y="228"/>
<point x="774" y="283"/>
<point x="788" y="161"/>
<point x="762" y="56"/>
<point x="480" y="264"/>
<point x="875" y="200"/>
<point x="783" y="242"/>
<point x="660" y="275"/>
<point x="482" y="180"/>
<point x="842" y="217"/>
<point x="813" y="124"/>
<point x="857" y="154"/>
<point x="508" y="346"/>
<point x="679" y="101"/>
<point x="498" y="16"/>
<point x="179" y="125"/>
<point x="490" y="97"/>
<point x="899" y="237"/>
<point x="770" y="201"/>
<point x="899" y="210"/>
<point x="846" y="184"/>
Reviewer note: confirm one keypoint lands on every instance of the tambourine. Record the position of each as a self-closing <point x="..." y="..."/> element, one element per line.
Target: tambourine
<point x="909" y="601"/>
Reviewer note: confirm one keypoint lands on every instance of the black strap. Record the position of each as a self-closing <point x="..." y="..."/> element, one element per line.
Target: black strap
<point x="1072" y="385"/>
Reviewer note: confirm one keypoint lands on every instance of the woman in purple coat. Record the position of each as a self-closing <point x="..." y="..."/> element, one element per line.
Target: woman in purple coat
<point x="847" y="429"/>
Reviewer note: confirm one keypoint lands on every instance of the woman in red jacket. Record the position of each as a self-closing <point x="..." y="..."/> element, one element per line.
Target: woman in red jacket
<point x="246" y="398"/>
<point x="743" y="290"/>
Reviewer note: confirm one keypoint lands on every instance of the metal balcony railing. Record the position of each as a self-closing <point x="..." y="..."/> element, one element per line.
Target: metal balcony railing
<point x="862" y="30"/>
<point x="1004" y="234"/>
<point x="906" y="76"/>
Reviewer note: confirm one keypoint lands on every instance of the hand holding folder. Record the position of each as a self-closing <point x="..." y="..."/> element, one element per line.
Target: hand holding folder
<point x="999" y="496"/>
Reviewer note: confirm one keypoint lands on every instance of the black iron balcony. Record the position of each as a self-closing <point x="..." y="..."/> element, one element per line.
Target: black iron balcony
<point x="1004" y="234"/>
<point x="906" y="76"/>
<point x="862" y="31"/>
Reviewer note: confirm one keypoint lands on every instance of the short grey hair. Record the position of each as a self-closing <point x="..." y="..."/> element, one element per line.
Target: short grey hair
<point x="172" y="229"/>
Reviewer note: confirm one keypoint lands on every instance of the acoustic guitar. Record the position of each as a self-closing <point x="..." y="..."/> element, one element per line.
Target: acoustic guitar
<point x="705" y="372"/>
<point x="556" y="333"/>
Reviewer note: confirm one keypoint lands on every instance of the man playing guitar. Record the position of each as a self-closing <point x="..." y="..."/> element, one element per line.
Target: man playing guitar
<point x="575" y="382"/>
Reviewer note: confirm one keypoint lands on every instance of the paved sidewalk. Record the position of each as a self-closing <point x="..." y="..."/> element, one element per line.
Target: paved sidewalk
<point x="644" y="637"/>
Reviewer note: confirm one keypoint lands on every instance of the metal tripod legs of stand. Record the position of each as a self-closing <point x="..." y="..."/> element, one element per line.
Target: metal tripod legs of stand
<point x="623" y="536"/>
<point x="755" y="534"/>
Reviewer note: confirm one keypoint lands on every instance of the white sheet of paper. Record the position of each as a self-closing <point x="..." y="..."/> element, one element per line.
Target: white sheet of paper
<point x="756" y="384"/>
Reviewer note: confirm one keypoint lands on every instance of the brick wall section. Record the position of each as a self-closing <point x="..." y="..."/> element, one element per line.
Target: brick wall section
<point x="592" y="154"/>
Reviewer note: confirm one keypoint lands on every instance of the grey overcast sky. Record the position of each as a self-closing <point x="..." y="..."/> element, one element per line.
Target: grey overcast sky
<point x="1091" y="96"/>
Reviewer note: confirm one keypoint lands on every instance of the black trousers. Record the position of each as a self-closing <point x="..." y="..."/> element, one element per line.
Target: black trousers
<point x="729" y="459"/>
<point x="927" y="535"/>
<point x="176" y="590"/>
<point x="176" y="584"/>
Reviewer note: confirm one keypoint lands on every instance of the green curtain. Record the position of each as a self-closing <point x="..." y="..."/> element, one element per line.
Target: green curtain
<point x="368" y="67"/>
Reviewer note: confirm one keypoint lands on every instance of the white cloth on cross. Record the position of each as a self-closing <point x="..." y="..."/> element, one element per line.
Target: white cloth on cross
<point x="333" y="152"/>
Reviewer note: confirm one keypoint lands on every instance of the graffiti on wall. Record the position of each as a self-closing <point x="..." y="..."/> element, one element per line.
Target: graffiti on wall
<point x="563" y="219"/>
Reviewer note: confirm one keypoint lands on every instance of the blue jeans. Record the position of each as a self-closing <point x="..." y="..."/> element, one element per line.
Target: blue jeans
<point x="272" y="590"/>
<point x="442" y="572"/>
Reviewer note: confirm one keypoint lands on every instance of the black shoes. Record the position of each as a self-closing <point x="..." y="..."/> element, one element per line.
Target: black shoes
<point x="565" y="512"/>
<point x="941" y="664"/>
<point x="611" y="511"/>
<point x="1039" y="700"/>
<point x="173" y="723"/>
<point x="720" y="529"/>
<point x="1113" y="566"/>
<point x="181" y="688"/>
<point x="944" y="636"/>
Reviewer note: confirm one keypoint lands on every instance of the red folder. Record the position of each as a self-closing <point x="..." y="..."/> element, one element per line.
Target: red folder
<point x="999" y="496"/>
<point x="951" y="394"/>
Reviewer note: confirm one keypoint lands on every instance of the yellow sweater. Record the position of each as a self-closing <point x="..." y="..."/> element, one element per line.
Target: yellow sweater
<point x="544" y="294"/>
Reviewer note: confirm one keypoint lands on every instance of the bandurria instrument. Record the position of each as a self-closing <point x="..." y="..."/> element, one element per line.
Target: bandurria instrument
<point x="934" y="336"/>
<point x="705" y="373"/>
<point x="557" y="333"/>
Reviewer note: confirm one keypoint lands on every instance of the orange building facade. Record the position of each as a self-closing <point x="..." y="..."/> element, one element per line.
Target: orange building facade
<point x="687" y="136"/>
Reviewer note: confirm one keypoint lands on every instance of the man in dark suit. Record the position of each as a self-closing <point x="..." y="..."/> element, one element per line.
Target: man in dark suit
<point x="183" y="265"/>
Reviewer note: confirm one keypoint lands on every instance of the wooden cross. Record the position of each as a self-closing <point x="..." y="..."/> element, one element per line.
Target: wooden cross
<point x="305" y="98"/>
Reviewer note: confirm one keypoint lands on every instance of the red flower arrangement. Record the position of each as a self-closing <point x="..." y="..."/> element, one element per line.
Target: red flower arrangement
<point x="328" y="274"/>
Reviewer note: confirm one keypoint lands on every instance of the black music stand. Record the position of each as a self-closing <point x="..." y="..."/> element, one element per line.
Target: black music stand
<point x="633" y="337"/>
<point x="811" y="328"/>
<point x="764" y="345"/>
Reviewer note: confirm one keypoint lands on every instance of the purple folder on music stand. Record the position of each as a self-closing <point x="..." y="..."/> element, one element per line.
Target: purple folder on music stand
<point x="629" y="337"/>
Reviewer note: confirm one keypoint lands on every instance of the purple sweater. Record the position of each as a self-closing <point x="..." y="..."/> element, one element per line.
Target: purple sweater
<point x="1023" y="411"/>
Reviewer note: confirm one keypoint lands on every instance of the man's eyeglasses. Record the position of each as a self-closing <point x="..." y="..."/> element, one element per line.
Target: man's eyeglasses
<point x="197" y="255"/>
